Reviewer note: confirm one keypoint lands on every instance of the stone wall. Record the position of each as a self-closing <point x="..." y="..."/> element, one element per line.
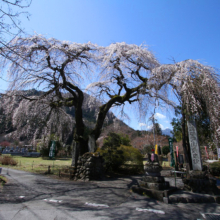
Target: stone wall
<point x="89" y="167"/>
<point x="199" y="182"/>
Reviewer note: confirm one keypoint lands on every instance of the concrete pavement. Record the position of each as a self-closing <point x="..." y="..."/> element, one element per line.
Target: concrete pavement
<point x="31" y="196"/>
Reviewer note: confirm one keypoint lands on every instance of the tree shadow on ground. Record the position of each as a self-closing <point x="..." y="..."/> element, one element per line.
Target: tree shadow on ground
<point x="113" y="192"/>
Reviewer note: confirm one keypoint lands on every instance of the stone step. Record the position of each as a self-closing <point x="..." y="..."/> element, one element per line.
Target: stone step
<point x="155" y="186"/>
<point x="154" y="179"/>
<point x="182" y="196"/>
<point x="157" y="194"/>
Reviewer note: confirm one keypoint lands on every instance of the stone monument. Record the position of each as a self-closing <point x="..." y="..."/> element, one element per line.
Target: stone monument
<point x="153" y="184"/>
<point x="194" y="145"/>
<point x="198" y="180"/>
<point x="153" y="178"/>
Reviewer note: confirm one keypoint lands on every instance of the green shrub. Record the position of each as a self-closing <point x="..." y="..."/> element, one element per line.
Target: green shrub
<point x="133" y="160"/>
<point x="3" y="180"/>
<point x="117" y="151"/>
<point x="8" y="160"/>
<point x="113" y="158"/>
<point x="131" y="155"/>
<point x="44" y="151"/>
<point x="165" y="150"/>
<point x="131" y="169"/>
<point x="111" y="153"/>
<point x="214" y="168"/>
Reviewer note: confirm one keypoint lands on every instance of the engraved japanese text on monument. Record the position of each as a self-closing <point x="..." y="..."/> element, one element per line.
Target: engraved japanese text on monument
<point x="194" y="145"/>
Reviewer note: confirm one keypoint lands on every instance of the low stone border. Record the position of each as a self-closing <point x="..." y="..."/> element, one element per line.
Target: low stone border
<point x="188" y="197"/>
<point x="174" y="195"/>
<point x="161" y="195"/>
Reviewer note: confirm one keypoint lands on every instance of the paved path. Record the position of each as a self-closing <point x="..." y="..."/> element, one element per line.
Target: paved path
<point x="31" y="196"/>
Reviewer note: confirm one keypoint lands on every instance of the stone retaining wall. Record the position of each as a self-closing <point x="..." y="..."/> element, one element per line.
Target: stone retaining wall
<point x="89" y="167"/>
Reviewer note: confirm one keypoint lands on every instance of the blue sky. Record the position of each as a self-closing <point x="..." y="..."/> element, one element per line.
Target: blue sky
<point x="173" y="29"/>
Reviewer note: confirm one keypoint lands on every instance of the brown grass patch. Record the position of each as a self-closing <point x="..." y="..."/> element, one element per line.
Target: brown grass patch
<point x="8" y="160"/>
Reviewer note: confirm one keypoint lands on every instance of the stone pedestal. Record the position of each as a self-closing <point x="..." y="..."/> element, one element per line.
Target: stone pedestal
<point x="152" y="168"/>
<point x="154" y="182"/>
<point x="199" y="182"/>
<point x="153" y="179"/>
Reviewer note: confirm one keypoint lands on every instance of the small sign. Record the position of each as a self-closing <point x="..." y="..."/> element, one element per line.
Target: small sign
<point x="172" y="161"/>
<point x="52" y="150"/>
<point x="218" y="153"/>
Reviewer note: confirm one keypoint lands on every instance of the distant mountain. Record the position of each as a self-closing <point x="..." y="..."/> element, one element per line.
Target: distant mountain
<point x="139" y="139"/>
<point x="167" y="131"/>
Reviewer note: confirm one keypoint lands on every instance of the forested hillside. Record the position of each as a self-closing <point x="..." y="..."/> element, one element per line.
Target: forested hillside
<point x="139" y="139"/>
<point x="6" y="123"/>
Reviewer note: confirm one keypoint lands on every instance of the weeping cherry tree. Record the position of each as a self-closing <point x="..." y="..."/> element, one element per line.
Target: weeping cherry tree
<point x="197" y="88"/>
<point x="115" y="75"/>
<point x="124" y="73"/>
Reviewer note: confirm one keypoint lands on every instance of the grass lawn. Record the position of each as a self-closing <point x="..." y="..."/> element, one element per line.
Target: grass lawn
<point x="164" y="163"/>
<point x="39" y="165"/>
<point x="3" y="180"/>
